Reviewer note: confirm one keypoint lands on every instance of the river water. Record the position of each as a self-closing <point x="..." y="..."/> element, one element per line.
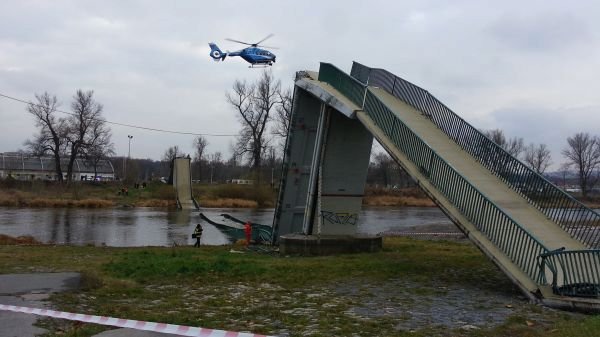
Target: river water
<point x="140" y="226"/>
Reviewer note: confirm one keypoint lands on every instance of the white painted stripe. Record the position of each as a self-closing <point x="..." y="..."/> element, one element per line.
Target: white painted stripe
<point x="181" y="330"/>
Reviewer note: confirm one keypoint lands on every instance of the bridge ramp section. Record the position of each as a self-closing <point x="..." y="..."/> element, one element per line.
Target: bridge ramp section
<point x="501" y="221"/>
<point x="537" y="223"/>
<point x="182" y="181"/>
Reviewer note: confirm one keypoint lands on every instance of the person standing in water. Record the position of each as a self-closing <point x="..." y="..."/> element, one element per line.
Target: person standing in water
<point x="197" y="234"/>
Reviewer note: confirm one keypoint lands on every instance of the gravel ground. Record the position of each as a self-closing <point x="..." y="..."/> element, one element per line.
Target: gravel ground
<point x="415" y="306"/>
<point x="400" y="305"/>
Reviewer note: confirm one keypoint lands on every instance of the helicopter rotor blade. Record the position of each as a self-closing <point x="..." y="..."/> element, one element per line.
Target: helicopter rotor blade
<point x="268" y="37"/>
<point x="267" y="47"/>
<point x="246" y="43"/>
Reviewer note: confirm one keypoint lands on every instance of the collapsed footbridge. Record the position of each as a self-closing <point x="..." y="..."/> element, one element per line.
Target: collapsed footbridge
<point x="545" y="241"/>
<point x="182" y="182"/>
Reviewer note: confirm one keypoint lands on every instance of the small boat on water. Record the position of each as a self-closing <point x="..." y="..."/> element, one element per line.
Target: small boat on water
<point x="234" y="229"/>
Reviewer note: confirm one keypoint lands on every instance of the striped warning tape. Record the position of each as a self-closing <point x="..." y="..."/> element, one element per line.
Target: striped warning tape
<point x="181" y="330"/>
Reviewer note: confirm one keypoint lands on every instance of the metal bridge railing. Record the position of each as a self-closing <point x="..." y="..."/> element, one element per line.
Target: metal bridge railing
<point x="571" y="215"/>
<point x="508" y="235"/>
<point x="582" y="281"/>
<point x="569" y="270"/>
<point x="345" y="84"/>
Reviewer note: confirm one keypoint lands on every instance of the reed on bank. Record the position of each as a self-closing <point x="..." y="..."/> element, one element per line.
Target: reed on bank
<point x="157" y="194"/>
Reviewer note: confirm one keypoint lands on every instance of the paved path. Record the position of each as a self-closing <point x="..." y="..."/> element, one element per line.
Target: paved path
<point x="30" y="290"/>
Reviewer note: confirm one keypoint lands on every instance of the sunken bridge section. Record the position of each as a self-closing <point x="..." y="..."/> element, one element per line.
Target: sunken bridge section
<point x="545" y="241"/>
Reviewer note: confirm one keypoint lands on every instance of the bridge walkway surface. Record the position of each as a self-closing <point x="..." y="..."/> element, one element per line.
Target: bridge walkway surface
<point x="517" y="207"/>
<point x="182" y="182"/>
<point x="545" y="241"/>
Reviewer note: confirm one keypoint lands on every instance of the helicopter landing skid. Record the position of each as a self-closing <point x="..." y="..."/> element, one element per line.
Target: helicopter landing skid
<point x="260" y="65"/>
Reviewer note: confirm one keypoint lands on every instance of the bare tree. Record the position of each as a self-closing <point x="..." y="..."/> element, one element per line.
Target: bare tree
<point x="384" y="165"/>
<point x="583" y="153"/>
<point x="99" y="145"/>
<point x="171" y="153"/>
<point x="283" y="113"/>
<point x="254" y="104"/>
<point x="216" y="158"/>
<point x="52" y="130"/>
<point x="514" y="146"/>
<point x="169" y="156"/>
<point x="86" y="113"/>
<point x="538" y="157"/>
<point x="200" y="144"/>
<point x="216" y="163"/>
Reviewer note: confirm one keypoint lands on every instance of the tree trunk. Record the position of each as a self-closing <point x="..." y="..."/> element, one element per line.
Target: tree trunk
<point x="57" y="167"/>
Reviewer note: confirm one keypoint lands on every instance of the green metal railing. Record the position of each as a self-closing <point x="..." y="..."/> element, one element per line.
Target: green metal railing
<point x="583" y="281"/>
<point x="345" y="84"/>
<point x="508" y="235"/>
<point x="579" y="221"/>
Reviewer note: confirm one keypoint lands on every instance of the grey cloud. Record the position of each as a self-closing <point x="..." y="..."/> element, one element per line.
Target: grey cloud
<point x="537" y="124"/>
<point x="539" y="31"/>
<point x="148" y="61"/>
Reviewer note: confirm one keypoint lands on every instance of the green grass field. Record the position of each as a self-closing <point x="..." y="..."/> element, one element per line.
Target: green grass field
<point x="411" y="288"/>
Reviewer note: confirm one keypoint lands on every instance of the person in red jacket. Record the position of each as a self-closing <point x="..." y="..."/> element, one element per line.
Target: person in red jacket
<point x="248" y="232"/>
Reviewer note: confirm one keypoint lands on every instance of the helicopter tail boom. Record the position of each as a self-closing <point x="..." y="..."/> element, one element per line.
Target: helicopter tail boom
<point x="216" y="53"/>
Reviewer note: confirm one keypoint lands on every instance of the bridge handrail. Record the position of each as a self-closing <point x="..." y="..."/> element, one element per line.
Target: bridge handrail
<point x="507" y="234"/>
<point x="580" y="278"/>
<point x="345" y="84"/>
<point x="522" y="247"/>
<point x="571" y="215"/>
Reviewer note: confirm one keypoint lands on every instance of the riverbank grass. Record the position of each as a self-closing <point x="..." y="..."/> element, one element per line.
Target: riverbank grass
<point x="158" y="194"/>
<point x="410" y="288"/>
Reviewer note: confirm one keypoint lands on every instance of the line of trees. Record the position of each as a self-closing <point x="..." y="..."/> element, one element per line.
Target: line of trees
<point x="581" y="154"/>
<point x="83" y="133"/>
<point x="212" y="167"/>
<point x="264" y="111"/>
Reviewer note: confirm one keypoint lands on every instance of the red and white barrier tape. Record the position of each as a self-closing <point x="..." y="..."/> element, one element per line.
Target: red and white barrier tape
<point x="181" y="330"/>
<point x="424" y="234"/>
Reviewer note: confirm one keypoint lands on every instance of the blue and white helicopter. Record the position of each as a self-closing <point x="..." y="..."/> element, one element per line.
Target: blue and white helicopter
<point x="257" y="57"/>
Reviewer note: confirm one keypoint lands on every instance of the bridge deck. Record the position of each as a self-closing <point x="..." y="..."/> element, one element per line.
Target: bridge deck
<point x="183" y="185"/>
<point x="519" y="261"/>
<point x="545" y="230"/>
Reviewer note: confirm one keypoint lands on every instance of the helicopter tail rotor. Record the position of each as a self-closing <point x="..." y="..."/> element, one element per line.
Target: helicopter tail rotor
<point x="216" y="53"/>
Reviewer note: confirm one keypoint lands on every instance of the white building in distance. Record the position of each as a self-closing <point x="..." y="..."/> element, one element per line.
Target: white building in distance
<point x="21" y="166"/>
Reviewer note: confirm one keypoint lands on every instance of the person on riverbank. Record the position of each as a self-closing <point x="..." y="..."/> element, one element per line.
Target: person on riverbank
<point x="197" y="235"/>
<point x="248" y="232"/>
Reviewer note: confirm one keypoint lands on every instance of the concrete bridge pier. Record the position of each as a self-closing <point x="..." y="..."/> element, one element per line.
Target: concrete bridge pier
<point x="325" y="169"/>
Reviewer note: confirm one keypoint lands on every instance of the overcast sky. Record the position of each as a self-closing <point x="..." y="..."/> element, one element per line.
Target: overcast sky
<point x="531" y="68"/>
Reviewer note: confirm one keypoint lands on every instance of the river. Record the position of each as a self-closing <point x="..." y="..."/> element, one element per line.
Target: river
<point x="141" y="226"/>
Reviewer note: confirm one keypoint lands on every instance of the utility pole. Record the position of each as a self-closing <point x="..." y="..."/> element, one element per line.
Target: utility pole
<point x="128" y="155"/>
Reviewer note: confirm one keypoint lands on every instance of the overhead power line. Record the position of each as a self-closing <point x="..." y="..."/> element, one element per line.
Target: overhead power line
<point x="128" y="125"/>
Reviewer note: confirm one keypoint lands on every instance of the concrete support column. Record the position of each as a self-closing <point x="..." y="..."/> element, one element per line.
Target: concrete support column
<point x="312" y="196"/>
<point x="325" y="169"/>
